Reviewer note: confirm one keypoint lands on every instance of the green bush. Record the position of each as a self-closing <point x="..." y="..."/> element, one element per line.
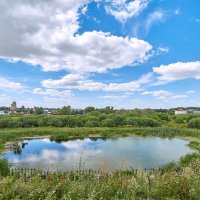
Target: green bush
<point x="142" y="122"/>
<point x="92" y="123"/>
<point x="179" y="121"/>
<point x="194" y="123"/>
<point x="108" y="123"/>
<point x="185" y="160"/>
<point x="4" y="167"/>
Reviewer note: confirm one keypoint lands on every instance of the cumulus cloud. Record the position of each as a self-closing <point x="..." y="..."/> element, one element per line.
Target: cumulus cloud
<point x="122" y="10"/>
<point x="7" y="84"/>
<point x="177" y="71"/>
<point x="72" y="81"/>
<point x="135" y="85"/>
<point x="45" y="33"/>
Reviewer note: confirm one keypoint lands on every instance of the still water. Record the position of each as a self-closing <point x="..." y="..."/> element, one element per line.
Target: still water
<point x="99" y="154"/>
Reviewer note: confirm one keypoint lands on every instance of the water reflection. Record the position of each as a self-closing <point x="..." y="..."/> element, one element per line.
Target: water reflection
<point x="109" y="154"/>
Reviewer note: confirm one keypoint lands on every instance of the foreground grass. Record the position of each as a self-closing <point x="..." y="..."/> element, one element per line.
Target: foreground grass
<point x="183" y="184"/>
<point x="170" y="185"/>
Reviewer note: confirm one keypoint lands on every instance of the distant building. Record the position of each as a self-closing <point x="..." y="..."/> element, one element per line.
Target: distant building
<point x="50" y="112"/>
<point x="196" y="112"/>
<point x="2" y="112"/>
<point x="13" y="107"/>
<point x="181" y="112"/>
<point x="47" y="112"/>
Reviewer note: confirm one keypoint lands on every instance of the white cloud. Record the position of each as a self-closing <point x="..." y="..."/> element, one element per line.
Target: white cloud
<point x="72" y="81"/>
<point x="122" y="10"/>
<point x="45" y="33"/>
<point x="162" y="49"/>
<point x="113" y="97"/>
<point x="161" y="94"/>
<point x="52" y="92"/>
<point x="179" y="96"/>
<point x="190" y="92"/>
<point x="164" y="95"/>
<point x="135" y="85"/>
<point x="154" y="18"/>
<point x="125" y="95"/>
<point x="177" y="71"/>
<point x="6" y="84"/>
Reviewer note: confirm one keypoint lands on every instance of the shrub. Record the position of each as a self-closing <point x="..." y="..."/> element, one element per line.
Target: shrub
<point x="91" y="123"/>
<point x="179" y="121"/>
<point x="4" y="167"/>
<point x="108" y="123"/>
<point x="185" y="160"/>
<point x="194" y="123"/>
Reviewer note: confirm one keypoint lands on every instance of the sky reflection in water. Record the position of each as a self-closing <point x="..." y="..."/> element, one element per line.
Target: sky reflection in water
<point x="99" y="154"/>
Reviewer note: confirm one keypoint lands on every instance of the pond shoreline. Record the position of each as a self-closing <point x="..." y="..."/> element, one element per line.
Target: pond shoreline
<point x="132" y="144"/>
<point x="100" y="132"/>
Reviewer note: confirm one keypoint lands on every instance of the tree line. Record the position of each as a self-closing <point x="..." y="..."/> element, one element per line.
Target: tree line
<point x="102" y="117"/>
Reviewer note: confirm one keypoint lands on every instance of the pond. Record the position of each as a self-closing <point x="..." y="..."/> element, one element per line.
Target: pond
<point x="99" y="154"/>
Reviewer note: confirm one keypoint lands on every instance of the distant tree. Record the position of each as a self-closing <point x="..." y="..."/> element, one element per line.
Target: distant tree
<point x="22" y="109"/>
<point x="106" y="110"/>
<point x="66" y="110"/>
<point x="31" y="111"/>
<point x="108" y="123"/>
<point x="39" y="111"/>
<point x="163" y="116"/>
<point x="119" y="120"/>
<point x="89" y="109"/>
<point x="92" y="123"/>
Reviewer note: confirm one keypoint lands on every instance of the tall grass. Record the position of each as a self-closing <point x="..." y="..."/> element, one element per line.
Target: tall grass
<point x="155" y="186"/>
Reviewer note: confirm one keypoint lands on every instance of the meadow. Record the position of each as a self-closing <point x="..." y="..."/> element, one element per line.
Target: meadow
<point x="177" y="181"/>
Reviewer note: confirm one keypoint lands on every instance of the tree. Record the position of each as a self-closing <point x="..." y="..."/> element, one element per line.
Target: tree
<point x="108" y="123"/>
<point x="92" y="123"/>
<point x="39" y="111"/>
<point x="31" y="111"/>
<point x="89" y="109"/>
<point x="66" y="110"/>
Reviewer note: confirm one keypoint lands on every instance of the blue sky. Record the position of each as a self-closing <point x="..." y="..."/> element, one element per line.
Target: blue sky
<point x="122" y="53"/>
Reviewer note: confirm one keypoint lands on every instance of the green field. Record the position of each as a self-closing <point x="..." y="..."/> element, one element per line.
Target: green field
<point x="171" y="184"/>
